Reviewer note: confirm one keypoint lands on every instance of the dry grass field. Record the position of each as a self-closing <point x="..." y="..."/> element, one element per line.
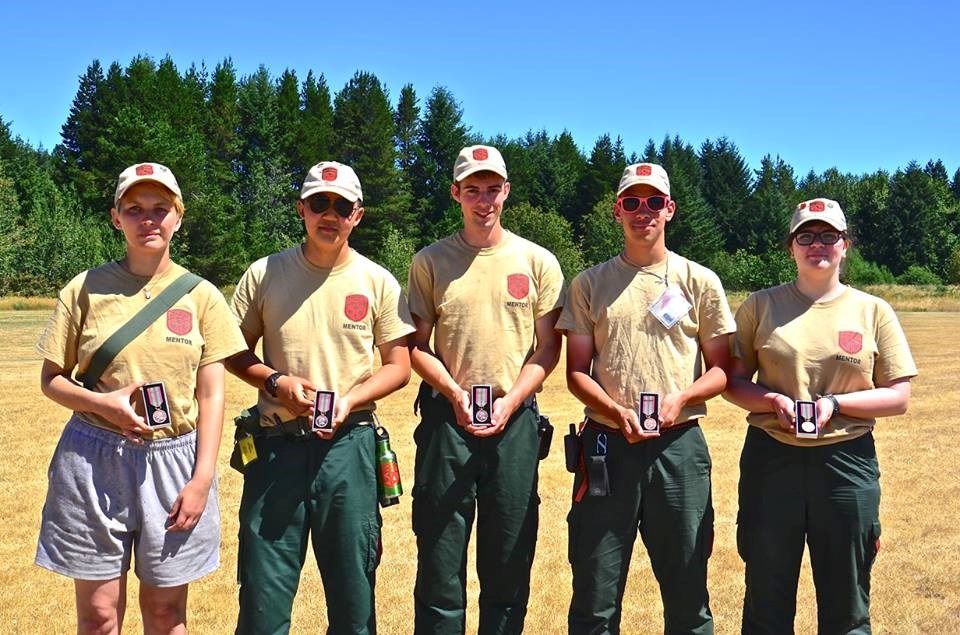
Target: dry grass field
<point x="916" y="585"/>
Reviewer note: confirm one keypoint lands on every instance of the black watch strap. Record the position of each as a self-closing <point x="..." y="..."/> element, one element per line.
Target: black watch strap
<point x="836" y="404"/>
<point x="270" y="384"/>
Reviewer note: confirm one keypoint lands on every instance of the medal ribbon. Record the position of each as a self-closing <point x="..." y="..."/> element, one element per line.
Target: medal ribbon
<point x="155" y="396"/>
<point x="324" y="401"/>
<point x="647" y="405"/>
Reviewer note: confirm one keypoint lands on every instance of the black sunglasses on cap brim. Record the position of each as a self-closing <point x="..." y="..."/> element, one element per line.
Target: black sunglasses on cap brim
<point x="318" y="204"/>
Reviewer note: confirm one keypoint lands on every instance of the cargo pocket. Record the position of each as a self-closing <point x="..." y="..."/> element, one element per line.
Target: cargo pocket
<point x="873" y="544"/>
<point x="573" y="536"/>
<point x="374" y="546"/>
<point x="416" y="503"/>
<point x="240" y="550"/>
<point x="706" y="547"/>
<point x="742" y="538"/>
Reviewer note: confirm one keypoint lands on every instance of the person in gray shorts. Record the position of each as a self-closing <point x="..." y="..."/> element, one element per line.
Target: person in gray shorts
<point x="133" y="476"/>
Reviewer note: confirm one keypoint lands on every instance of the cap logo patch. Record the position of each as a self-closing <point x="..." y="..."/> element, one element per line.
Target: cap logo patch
<point x="851" y="341"/>
<point x="518" y="285"/>
<point x="801" y="206"/>
<point x="355" y="307"/>
<point x="144" y="170"/>
<point x="329" y="174"/>
<point x="817" y="206"/>
<point x="644" y="170"/>
<point x="179" y="321"/>
<point x="480" y="154"/>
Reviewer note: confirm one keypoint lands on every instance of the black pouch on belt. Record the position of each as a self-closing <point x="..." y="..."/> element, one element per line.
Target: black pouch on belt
<point x="545" y="433"/>
<point x="571" y="449"/>
<point x="597" y="469"/>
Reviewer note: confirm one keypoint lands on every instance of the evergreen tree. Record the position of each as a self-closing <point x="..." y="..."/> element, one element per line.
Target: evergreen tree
<point x="315" y="143"/>
<point x="769" y="208"/>
<point x="441" y="137"/>
<point x="80" y="133"/>
<point x="602" y="234"/>
<point x="726" y="185"/>
<point x="870" y="227"/>
<point x="363" y="123"/>
<point x="266" y="193"/>
<point x="407" y="124"/>
<point x="917" y="231"/>
<point x="603" y="171"/>
<point x="568" y="165"/>
<point x="289" y="127"/>
<point x="549" y="230"/>
<point x="692" y="232"/>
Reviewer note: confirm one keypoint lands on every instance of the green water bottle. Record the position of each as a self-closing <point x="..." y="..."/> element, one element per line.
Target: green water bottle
<point x="388" y="471"/>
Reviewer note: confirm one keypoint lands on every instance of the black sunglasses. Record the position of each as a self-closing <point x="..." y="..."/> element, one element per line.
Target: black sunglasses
<point x="319" y="203"/>
<point x="828" y="237"/>
<point x="655" y="203"/>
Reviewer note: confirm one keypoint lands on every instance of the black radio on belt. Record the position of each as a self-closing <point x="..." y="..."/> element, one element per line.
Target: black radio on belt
<point x="545" y="435"/>
<point x="597" y="469"/>
<point x="155" y="405"/>
<point x="571" y="449"/>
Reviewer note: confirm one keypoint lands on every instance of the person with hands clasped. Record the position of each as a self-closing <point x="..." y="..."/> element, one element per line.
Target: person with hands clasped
<point x="828" y="361"/>
<point x="135" y="348"/>
<point x="322" y="311"/>
<point x="490" y="299"/>
<point x="647" y="345"/>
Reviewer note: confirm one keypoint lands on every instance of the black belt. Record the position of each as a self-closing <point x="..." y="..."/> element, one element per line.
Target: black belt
<point x="300" y="427"/>
<point x="593" y="424"/>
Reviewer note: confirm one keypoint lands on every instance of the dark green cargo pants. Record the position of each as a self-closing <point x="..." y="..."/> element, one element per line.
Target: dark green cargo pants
<point x="457" y="477"/>
<point x="660" y="487"/>
<point x="324" y="489"/>
<point x="828" y="496"/>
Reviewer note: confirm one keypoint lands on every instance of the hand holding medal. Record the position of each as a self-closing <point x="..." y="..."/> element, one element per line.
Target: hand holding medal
<point x="807" y="424"/>
<point x="117" y="408"/>
<point x="322" y="413"/>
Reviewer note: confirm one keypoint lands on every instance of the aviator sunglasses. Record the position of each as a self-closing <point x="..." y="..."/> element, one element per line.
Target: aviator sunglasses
<point x="632" y="204"/>
<point x="319" y="204"/>
<point x="828" y="237"/>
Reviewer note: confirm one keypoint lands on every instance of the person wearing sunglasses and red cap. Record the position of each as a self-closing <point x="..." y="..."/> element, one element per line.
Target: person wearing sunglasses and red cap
<point x="485" y="302"/>
<point x="812" y="475"/>
<point x="322" y="311"/>
<point x="647" y="336"/>
<point x="128" y="482"/>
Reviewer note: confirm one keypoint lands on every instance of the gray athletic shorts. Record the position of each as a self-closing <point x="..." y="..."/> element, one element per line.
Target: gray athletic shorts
<point x="108" y="499"/>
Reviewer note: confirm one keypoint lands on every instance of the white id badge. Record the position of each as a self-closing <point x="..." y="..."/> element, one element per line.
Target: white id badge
<point x="670" y="307"/>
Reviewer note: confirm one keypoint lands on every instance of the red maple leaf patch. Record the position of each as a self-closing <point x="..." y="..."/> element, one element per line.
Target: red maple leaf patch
<point x="355" y="306"/>
<point x="179" y="321"/>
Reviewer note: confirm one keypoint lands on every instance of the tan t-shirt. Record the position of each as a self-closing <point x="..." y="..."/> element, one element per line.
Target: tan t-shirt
<point x="320" y="324"/>
<point x="803" y="349"/>
<point x="195" y="331"/>
<point x="483" y="304"/>
<point x="633" y="351"/>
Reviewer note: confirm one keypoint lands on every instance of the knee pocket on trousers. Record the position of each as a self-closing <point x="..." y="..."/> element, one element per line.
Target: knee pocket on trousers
<point x="873" y="544"/>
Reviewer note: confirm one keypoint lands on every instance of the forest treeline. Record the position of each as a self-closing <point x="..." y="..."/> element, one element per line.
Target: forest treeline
<point x="240" y="147"/>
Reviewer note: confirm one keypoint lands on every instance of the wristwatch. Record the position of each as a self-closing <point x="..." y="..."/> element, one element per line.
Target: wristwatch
<point x="836" y="404"/>
<point x="270" y="384"/>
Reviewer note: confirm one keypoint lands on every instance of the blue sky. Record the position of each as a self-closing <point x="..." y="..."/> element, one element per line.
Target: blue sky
<point x="853" y="84"/>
